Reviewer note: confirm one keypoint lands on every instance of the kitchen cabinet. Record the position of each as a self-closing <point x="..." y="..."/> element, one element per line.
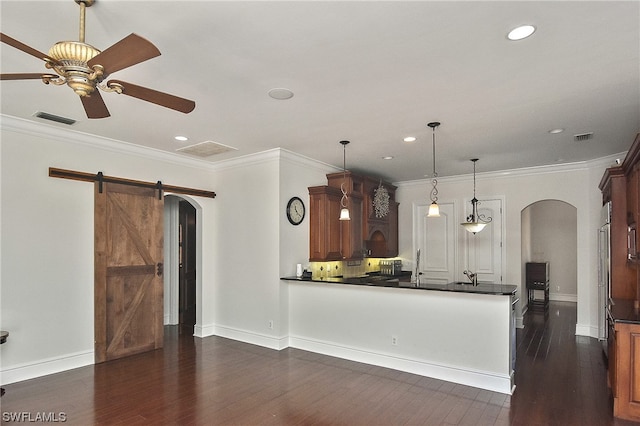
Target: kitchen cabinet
<point x="324" y="225"/>
<point x="329" y="237"/>
<point x="626" y="368"/>
<point x="618" y="185"/>
<point x="365" y="234"/>
<point x="611" y="355"/>
<point x="633" y="214"/>
<point x="379" y="234"/>
<point x="621" y="186"/>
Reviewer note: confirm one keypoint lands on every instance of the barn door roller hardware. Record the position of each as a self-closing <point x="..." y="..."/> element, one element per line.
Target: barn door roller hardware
<point x="101" y="178"/>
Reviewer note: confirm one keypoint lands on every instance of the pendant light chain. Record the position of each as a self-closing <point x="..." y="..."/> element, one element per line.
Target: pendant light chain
<point x="344" y="211"/>
<point x="343" y="202"/>
<point x="434" y="209"/>
<point x="434" y="181"/>
<point x="475" y="221"/>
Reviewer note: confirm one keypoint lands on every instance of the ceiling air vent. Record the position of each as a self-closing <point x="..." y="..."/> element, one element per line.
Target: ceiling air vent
<point x="56" y="118"/>
<point x="583" y="137"/>
<point x="205" y="149"/>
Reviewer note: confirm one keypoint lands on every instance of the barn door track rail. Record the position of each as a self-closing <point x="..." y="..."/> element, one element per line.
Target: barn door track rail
<point x="101" y="178"/>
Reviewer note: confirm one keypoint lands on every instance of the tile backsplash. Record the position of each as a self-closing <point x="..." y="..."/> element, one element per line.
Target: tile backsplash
<point x="350" y="268"/>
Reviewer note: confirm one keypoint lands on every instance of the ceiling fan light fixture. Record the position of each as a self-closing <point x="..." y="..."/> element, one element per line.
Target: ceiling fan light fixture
<point x="73" y="53"/>
<point x="83" y="68"/>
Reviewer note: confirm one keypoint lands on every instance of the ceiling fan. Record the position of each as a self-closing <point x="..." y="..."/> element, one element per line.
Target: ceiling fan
<point x="84" y="68"/>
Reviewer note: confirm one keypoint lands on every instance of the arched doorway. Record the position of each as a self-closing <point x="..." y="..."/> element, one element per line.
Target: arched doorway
<point x="182" y="242"/>
<point x="549" y="234"/>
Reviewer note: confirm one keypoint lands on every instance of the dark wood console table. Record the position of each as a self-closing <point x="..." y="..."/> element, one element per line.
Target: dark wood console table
<point x="537" y="278"/>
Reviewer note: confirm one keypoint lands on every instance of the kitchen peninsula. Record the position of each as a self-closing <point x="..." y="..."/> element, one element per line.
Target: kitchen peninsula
<point x="455" y="332"/>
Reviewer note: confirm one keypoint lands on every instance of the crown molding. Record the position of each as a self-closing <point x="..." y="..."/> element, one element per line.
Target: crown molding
<point x="47" y="131"/>
<point x="32" y="128"/>
<point x="52" y="132"/>
<point x="598" y="164"/>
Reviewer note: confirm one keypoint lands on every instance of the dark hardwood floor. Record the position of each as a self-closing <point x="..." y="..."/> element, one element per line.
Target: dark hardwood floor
<point x="561" y="380"/>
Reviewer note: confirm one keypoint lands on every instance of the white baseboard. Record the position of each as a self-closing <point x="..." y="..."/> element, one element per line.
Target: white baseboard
<point x="45" y="367"/>
<point x="264" y="340"/>
<point x="203" y="330"/>
<point x="560" y="297"/>
<point x="586" y="330"/>
<point x="478" y="379"/>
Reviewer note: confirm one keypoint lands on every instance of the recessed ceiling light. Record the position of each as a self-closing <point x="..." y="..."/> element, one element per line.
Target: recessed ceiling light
<point x="521" y="32"/>
<point x="410" y="139"/>
<point x="556" y="131"/>
<point x="387" y="157"/>
<point x="281" y="94"/>
<point x="181" y="138"/>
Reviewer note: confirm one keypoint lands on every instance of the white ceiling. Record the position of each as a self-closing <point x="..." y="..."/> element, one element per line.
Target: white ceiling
<point x="369" y="72"/>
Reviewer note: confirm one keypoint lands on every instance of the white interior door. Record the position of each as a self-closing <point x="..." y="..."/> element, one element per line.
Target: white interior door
<point x="436" y="238"/>
<point x="485" y="249"/>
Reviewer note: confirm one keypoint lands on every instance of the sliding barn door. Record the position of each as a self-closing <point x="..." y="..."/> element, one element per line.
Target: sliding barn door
<point x="128" y="271"/>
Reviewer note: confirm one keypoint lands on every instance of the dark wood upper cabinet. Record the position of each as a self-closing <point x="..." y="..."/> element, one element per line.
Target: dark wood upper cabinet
<point x="620" y="185"/>
<point x="365" y="234"/>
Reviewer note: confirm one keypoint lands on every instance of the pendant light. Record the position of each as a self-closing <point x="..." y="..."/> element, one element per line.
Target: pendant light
<point x="434" y="209"/>
<point x="344" y="212"/>
<point x="475" y="221"/>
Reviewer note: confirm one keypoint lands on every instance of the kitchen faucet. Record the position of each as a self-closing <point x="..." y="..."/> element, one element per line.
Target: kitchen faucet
<point x="472" y="277"/>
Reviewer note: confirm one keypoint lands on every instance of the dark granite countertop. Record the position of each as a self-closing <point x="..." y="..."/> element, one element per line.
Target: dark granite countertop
<point x="383" y="281"/>
<point x="625" y="311"/>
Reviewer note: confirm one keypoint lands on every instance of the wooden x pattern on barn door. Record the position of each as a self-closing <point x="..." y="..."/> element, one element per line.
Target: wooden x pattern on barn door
<point x="128" y="270"/>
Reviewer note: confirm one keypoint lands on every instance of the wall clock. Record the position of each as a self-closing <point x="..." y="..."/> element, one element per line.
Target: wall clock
<point x="295" y="210"/>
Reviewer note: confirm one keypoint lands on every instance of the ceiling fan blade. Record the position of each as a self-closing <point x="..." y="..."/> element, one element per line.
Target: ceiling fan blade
<point x="94" y="105"/>
<point x="26" y="49"/>
<point x="131" y="50"/>
<point x="159" y="98"/>
<point x="26" y="76"/>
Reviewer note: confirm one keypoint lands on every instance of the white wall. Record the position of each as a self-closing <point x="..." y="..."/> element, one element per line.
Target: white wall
<point x="46" y="237"/>
<point x="46" y="281"/>
<point x="576" y="184"/>
<point x="255" y="245"/>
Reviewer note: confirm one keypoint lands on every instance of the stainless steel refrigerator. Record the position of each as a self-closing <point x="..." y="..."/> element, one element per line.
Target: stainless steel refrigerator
<point x="604" y="272"/>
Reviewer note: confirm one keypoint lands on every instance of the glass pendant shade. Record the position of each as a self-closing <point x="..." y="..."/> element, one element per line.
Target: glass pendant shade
<point x="344" y="214"/>
<point x="434" y="210"/>
<point x="473" y="227"/>
<point x="475" y="221"/>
